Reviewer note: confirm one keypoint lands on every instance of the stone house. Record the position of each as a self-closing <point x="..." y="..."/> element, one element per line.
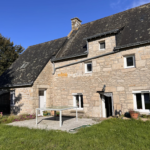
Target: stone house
<point x="103" y="67"/>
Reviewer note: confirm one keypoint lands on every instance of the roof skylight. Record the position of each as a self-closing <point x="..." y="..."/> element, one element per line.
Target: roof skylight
<point x="24" y="65"/>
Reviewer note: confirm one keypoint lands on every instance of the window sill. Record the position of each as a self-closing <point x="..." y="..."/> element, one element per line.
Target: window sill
<point x="78" y="109"/>
<point x="129" y="67"/>
<point x="142" y="110"/>
<point x="101" y="49"/>
<point x="88" y="72"/>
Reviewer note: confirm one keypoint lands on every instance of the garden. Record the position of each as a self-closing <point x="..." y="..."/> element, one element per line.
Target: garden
<point x="12" y="118"/>
<point x="115" y="133"/>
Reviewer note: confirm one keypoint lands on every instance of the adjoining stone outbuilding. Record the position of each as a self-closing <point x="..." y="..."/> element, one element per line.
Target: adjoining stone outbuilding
<point x="103" y="67"/>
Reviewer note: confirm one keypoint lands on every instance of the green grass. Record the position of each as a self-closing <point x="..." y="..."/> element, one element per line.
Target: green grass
<point x="112" y="134"/>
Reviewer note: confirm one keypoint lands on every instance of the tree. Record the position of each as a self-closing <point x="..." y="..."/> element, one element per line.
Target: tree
<point x="8" y="53"/>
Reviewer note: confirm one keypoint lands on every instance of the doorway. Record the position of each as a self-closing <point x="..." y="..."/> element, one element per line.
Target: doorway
<point x="42" y="100"/>
<point x="107" y="105"/>
<point x="5" y="103"/>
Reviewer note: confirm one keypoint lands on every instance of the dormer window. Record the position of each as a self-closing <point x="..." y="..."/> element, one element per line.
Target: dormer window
<point x="102" y="45"/>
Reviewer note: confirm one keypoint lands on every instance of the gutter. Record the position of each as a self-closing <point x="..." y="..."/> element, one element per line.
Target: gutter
<point x="17" y="85"/>
<point x="116" y="50"/>
<point x="69" y="57"/>
<point x="131" y="45"/>
<point x="54" y="69"/>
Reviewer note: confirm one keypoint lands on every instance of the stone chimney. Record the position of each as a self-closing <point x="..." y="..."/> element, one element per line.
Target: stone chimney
<point x="75" y="22"/>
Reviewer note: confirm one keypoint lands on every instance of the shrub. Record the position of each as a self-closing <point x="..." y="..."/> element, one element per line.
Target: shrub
<point x="45" y="113"/>
<point x="148" y="116"/>
<point x="12" y="118"/>
<point x="144" y="116"/>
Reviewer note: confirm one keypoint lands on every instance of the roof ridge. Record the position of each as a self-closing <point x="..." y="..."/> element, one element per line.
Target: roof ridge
<point x="116" y="13"/>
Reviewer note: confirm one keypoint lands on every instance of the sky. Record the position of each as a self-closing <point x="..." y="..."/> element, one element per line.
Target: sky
<point x="30" y="22"/>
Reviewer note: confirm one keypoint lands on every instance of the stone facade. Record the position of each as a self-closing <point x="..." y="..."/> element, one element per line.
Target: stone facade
<point x="27" y="98"/>
<point x="107" y="70"/>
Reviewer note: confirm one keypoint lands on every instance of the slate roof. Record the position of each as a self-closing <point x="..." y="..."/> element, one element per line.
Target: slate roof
<point x="133" y="26"/>
<point x="37" y="56"/>
<point x="136" y="23"/>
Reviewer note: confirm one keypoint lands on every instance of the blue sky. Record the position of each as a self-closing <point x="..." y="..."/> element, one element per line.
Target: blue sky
<point x="29" y="22"/>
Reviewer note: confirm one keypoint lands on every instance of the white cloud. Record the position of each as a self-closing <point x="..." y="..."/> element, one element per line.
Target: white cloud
<point x="115" y="4"/>
<point x="138" y="3"/>
<point x="119" y="4"/>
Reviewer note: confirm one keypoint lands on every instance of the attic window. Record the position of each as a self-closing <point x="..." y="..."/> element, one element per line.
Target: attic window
<point x="102" y="45"/>
<point x="24" y="65"/>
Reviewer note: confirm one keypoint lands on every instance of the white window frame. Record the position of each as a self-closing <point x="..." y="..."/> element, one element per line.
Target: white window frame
<point x="74" y="100"/>
<point x="12" y="98"/>
<point x="86" y="71"/>
<point x="142" y="98"/>
<point x="125" y="61"/>
<point x="100" y="45"/>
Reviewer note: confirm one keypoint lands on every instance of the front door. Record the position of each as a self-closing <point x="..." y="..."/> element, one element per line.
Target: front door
<point x="42" y="100"/>
<point x="107" y="106"/>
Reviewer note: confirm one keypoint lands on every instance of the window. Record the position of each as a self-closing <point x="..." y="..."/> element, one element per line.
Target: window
<point x="78" y="100"/>
<point x="12" y="97"/>
<point x="102" y="45"/>
<point x="129" y="61"/>
<point x="142" y="101"/>
<point x="41" y="93"/>
<point x="88" y="67"/>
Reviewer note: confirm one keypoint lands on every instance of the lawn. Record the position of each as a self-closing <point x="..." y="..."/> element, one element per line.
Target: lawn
<point x="112" y="134"/>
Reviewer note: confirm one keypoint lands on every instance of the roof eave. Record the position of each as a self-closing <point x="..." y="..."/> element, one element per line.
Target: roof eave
<point x="16" y="85"/>
<point x="131" y="45"/>
<point x="103" y="34"/>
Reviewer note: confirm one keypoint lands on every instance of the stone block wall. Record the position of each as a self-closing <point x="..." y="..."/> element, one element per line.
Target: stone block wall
<point x="94" y="46"/>
<point x="27" y="98"/>
<point x="108" y="70"/>
<point x="23" y="101"/>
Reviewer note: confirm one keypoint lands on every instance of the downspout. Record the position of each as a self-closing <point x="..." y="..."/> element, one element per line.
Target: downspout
<point x="87" y="43"/>
<point x="53" y="68"/>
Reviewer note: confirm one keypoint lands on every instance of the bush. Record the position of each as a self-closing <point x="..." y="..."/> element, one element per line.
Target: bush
<point x="144" y="116"/>
<point x="45" y="113"/>
<point x="148" y="116"/>
<point x="12" y="118"/>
